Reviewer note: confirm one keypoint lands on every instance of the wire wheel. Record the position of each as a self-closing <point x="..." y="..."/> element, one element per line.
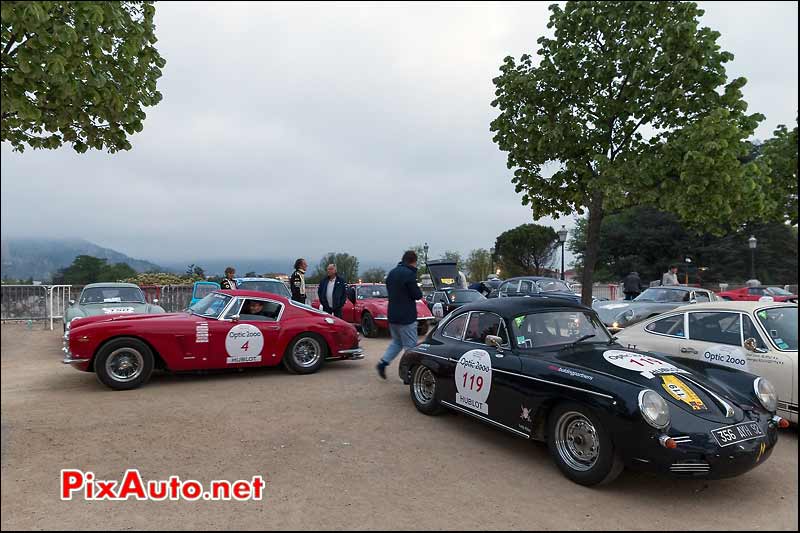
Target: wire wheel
<point x="124" y="364"/>
<point x="307" y="352"/>
<point x="424" y="385"/>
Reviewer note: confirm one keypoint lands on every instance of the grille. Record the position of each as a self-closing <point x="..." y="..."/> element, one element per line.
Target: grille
<point x="690" y="468"/>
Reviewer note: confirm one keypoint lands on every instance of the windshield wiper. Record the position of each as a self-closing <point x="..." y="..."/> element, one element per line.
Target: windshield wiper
<point x="575" y="343"/>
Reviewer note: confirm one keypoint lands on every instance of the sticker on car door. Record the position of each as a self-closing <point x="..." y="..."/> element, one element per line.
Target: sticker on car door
<point x="243" y="344"/>
<point x="726" y="355"/>
<point x="474" y="380"/>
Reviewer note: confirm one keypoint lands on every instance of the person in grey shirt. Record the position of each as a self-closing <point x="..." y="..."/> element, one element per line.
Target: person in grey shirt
<point x="670" y="277"/>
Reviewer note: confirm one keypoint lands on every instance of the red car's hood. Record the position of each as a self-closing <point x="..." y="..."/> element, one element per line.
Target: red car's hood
<point x="84" y="321"/>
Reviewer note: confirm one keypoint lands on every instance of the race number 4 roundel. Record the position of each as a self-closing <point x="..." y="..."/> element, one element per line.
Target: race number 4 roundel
<point x="244" y="344"/>
<point x="474" y="380"/>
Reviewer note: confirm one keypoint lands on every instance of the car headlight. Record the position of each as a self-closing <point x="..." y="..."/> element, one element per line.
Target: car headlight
<point x="765" y="392"/>
<point x="654" y="409"/>
<point x="627" y="316"/>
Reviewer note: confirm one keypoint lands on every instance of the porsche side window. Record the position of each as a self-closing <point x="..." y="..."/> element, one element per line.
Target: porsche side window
<point x="671" y="325"/>
<point x="526" y="287"/>
<point x="750" y="332"/>
<point x="722" y="328"/>
<point x="480" y="325"/>
<point x="756" y="291"/>
<point x="455" y="328"/>
<point x="702" y="296"/>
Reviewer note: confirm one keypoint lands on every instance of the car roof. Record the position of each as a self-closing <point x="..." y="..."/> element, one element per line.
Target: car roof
<point x="110" y="284"/>
<point x="508" y="307"/>
<point x="254" y="294"/>
<point x="240" y="280"/>
<point x="535" y="278"/>
<point x="684" y="288"/>
<point x="747" y="306"/>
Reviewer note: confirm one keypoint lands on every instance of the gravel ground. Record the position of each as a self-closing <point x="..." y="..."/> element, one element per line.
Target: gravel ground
<point x="340" y="449"/>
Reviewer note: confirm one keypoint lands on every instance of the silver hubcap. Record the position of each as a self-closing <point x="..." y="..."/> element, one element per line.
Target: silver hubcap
<point x="424" y="385"/>
<point x="124" y="364"/>
<point x="307" y="352"/>
<point x="577" y="441"/>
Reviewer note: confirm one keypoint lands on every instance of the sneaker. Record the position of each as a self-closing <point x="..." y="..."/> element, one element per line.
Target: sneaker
<point x="381" y="367"/>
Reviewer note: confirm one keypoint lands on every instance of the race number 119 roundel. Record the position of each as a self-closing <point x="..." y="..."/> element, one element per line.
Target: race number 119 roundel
<point x="474" y="380"/>
<point x="243" y="344"/>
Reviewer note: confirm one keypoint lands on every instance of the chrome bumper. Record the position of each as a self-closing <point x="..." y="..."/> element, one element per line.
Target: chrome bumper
<point x="70" y="361"/>
<point x="355" y="353"/>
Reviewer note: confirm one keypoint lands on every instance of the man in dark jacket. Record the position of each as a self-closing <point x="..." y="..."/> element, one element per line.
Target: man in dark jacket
<point x="401" y="284"/>
<point x="331" y="292"/>
<point x="632" y="286"/>
<point x="297" y="281"/>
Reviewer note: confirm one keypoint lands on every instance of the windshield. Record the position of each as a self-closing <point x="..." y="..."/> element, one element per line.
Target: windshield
<point x="462" y="297"/>
<point x="203" y="290"/>
<point x="781" y="324"/>
<point x="105" y="295"/>
<point x="552" y="328"/>
<point x="662" y="295"/>
<point x="211" y="306"/>
<point x="553" y="286"/>
<point x="272" y="287"/>
<point x="777" y="291"/>
<point x="372" y="291"/>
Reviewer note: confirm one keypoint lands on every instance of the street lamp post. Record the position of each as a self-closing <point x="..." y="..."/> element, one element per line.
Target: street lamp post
<point x="425" y="249"/>
<point x="752" y="242"/>
<point x="491" y="259"/>
<point x="562" y="238"/>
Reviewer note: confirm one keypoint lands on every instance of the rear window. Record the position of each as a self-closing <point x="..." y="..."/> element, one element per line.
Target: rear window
<point x="271" y="287"/>
<point x="455" y="328"/>
<point x="671" y="325"/>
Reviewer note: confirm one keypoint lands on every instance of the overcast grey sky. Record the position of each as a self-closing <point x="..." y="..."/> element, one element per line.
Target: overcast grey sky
<point x="376" y="115"/>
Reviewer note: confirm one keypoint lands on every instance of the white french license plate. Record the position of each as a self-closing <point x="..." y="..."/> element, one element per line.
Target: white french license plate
<point x="737" y="433"/>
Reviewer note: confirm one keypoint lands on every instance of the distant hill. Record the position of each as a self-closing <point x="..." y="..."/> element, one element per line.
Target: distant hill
<point x="41" y="258"/>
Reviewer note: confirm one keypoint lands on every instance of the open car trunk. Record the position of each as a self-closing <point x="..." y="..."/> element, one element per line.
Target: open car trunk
<point x="444" y="275"/>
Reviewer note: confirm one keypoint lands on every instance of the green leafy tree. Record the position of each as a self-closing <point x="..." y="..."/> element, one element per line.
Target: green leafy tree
<point x="116" y="272"/>
<point x="780" y="153"/>
<point x="526" y="249"/>
<point x="346" y="266"/>
<point x="454" y="256"/>
<point x="195" y="271"/>
<point x="479" y="264"/>
<point x="630" y="103"/>
<point x="77" y="72"/>
<point x="374" y="275"/>
<point x="647" y="241"/>
<point x="84" y="269"/>
<point x="419" y="249"/>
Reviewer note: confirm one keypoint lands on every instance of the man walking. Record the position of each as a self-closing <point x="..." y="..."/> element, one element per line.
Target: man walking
<point x="331" y="292"/>
<point x="228" y="282"/>
<point x="670" y="277"/>
<point x="401" y="284"/>
<point x="298" y="281"/>
<point x="632" y="286"/>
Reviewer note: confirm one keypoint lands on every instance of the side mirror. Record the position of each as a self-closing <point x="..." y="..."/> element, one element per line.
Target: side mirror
<point x="494" y="341"/>
<point x="235" y="318"/>
<point x="751" y="345"/>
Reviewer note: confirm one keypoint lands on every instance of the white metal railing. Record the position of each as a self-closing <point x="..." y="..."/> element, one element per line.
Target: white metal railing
<point x="59" y="296"/>
<point x="24" y="302"/>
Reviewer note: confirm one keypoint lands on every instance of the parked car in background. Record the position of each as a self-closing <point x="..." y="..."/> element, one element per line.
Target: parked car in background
<point x="201" y="289"/>
<point x="535" y="286"/>
<point x="448" y="300"/>
<point x="546" y="369"/>
<point x="653" y="301"/>
<point x="756" y="337"/>
<point x="266" y="285"/>
<point x="109" y="299"/>
<point x="226" y="329"/>
<point x="754" y="294"/>
<point x="367" y="305"/>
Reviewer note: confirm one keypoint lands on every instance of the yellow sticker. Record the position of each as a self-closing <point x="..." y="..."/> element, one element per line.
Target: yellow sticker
<point x="681" y="392"/>
<point x="448" y="281"/>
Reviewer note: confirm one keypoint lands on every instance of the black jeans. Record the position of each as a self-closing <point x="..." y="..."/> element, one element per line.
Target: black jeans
<point x="631" y="295"/>
<point x="336" y="312"/>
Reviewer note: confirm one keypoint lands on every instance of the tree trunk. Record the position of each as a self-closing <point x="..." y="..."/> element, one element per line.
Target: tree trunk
<point x="592" y="245"/>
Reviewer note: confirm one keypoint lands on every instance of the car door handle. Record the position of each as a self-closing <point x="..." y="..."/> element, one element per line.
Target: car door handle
<point x="688" y="350"/>
<point x="273" y="328"/>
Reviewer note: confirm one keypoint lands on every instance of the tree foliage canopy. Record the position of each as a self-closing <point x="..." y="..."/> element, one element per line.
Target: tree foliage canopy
<point x="346" y="267"/>
<point x="780" y="153"/>
<point x="88" y="269"/>
<point x="479" y="264"/>
<point x="648" y="241"/>
<point x="374" y="275"/>
<point x="631" y="102"/>
<point x="77" y="72"/>
<point x="525" y="250"/>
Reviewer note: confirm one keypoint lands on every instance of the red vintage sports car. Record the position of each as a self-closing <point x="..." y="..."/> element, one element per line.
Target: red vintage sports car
<point x="755" y="294"/>
<point x="226" y="329"/>
<point x="367" y="305"/>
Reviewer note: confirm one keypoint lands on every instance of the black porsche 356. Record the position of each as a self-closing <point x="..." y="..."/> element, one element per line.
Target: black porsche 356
<point x="547" y="369"/>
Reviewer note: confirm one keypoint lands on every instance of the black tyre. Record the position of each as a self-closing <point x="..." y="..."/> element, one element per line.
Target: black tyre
<point x="581" y="446"/>
<point x="425" y="390"/>
<point x="305" y="354"/>
<point x="368" y="326"/>
<point x="123" y="364"/>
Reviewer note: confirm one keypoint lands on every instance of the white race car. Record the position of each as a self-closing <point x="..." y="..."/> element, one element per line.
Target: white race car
<point x="757" y="337"/>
